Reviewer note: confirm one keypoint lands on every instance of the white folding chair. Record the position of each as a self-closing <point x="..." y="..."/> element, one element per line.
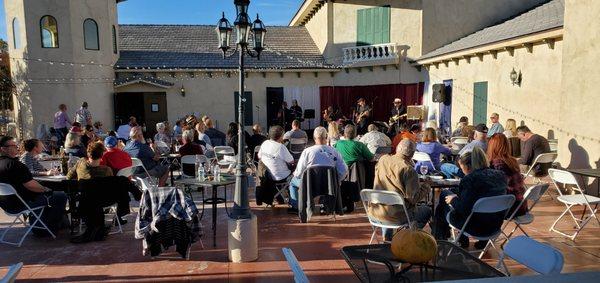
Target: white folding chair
<point x="553" y="145"/>
<point x="192" y="160"/>
<point x="544" y="158"/>
<point x="299" y="275"/>
<point x="483" y="205"/>
<point x="35" y="213"/>
<point x="220" y="154"/>
<point x="579" y="199"/>
<point x="136" y="162"/>
<point x="458" y="142"/>
<point x="423" y="157"/>
<point x="297" y="145"/>
<point x="368" y="196"/>
<point x="530" y="199"/>
<point x="126" y="172"/>
<point x="541" y="258"/>
<point x="13" y="272"/>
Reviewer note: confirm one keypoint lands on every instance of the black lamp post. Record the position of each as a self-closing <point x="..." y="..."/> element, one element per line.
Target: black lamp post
<point x="244" y="28"/>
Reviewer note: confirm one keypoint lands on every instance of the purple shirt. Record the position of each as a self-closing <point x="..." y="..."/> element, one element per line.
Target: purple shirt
<point x="61" y="120"/>
<point x="434" y="149"/>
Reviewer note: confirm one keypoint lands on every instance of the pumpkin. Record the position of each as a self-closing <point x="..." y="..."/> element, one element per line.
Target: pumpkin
<point x="414" y="246"/>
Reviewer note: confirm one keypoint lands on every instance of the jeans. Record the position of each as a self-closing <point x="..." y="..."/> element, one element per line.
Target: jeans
<point x="422" y="214"/>
<point x="450" y="171"/>
<point x="294" y="187"/>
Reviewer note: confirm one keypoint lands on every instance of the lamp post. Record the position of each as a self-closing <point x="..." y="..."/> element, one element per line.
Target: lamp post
<point x="242" y="242"/>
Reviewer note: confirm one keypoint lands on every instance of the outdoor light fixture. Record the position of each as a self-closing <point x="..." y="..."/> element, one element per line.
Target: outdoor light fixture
<point x="515" y="78"/>
<point x="242" y="224"/>
<point x="182" y="91"/>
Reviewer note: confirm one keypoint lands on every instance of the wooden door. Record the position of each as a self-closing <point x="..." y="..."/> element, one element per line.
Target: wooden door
<point x="155" y="111"/>
<point x="480" y="96"/>
<point x="274" y="100"/>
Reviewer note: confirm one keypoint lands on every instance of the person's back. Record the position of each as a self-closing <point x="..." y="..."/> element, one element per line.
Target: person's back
<point x="141" y="151"/>
<point x="123" y="131"/>
<point x="374" y="140"/>
<point x="353" y="151"/>
<point x="321" y="155"/>
<point x="190" y="149"/>
<point x="295" y="134"/>
<point x="15" y="173"/>
<point x="217" y="137"/>
<point x="85" y="171"/>
<point x="116" y="159"/>
<point x="532" y="148"/>
<point x="433" y="149"/>
<point x="276" y="157"/>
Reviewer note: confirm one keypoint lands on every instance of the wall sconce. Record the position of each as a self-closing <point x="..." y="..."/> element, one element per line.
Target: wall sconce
<point x="182" y="91"/>
<point x="516" y="78"/>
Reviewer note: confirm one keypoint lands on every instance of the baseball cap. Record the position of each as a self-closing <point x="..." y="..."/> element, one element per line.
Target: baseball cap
<point x="110" y="142"/>
<point x="482" y="128"/>
<point x="75" y="129"/>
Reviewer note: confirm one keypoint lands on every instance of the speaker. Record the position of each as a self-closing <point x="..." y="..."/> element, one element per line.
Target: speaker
<point x="415" y="112"/>
<point x="439" y="93"/>
<point x="309" y="113"/>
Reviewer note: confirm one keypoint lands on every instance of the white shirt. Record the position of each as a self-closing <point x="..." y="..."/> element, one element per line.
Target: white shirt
<point x="276" y="157"/>
<point x="321" y="155"/>
<point x="375" y="139"/>
<point x="123" y="131"/>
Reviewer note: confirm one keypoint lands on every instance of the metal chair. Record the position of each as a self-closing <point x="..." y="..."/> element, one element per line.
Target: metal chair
<point x="483" y="205"/>
<point x="126" y="172"/>
<point x="386" y="198"/>
<point x="221" y="152"/>
<point x="530" y="199"/>
<point x="541" y="258"/>
<point x="458" y="142"/>
<point x="12" y="273"/>
<point x="578" y="199"/>
<point x="423" y="157"/>
<point x="383" y="150"/>
<point x="544" y="158"/>
<point x="192" y="160"/>
<point x="297" y="146"/>
<point x="34" y="213"/>
<point x="299" y="275"/>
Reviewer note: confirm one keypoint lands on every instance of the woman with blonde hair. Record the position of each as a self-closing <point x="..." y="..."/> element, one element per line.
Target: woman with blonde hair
<point x="333" y="133"/>
<point x="510" y="128"/>
<point x="73" y="145"/>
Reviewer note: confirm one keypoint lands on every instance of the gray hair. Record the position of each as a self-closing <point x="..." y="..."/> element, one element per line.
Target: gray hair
<point x="350" y="132"/>
<point x="188" y="135"/>
<point x="475" y="159"/>
<point x="372" y="128"/>
<point x="406" y="147"/>
<point x="160" y="126"/>
<point x="320" y="133"/>
<point x="275" y="132"/>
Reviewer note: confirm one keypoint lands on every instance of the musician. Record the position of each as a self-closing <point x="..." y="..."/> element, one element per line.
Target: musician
<point x="284" y="116"/>
<point x="296" y="111"/>
<point x="362" y="116"/>
<point x="397" y="116"/>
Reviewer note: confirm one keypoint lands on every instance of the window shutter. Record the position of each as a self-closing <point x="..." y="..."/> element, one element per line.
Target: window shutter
<point x="360" y="27"/>
<point x="376" y="26"/>
<point x="385" y="24"/>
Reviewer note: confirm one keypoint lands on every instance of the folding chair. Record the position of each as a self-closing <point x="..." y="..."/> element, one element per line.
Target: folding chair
<point x="483" y="205"/>
<point x="297" y="146"/>
<point x="541" y="258"/>
<point x="458" y="142"/>
<point x="544" y="158"/>
<point x="12" y="273"/>
<point x="220" y="154"/>
<point x="579" y="199"/>
<point x="299" y="275"/>
<point x="136" y="162"/>
<point x="35" y="213"/>
<point x="530" y="199"/>
<point x="383" y="150"/>
<point x="126" y="172"/>
<point x="368" y="196"/>
<point x="192" y="160"/>
<point x="423" y="157"/>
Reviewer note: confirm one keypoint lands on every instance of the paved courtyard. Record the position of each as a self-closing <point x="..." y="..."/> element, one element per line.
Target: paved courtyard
<point x="316" y="245"/>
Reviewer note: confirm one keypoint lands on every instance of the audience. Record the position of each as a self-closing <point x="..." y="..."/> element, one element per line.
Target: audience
<point x="318" y="154"/>
<point x="123" y="130"/>
<point x="138" y="148"/>
<point x="532" y="146"/>
<point x="374" y="138"/>
<point x="496" y="127"/>
<point x="295" y="132"/>
<point x="33" y="148"/>
<point x="177" y="130"/>
<point x="333" y="133"/>
<point x="161" y="134"/>
<point x="511" y="128"/>
<point x="189" y="147"/>
<point x="73" y="146"/>
<point x="275" y="156"/>
<point x="395" y="173"/>
<point x="98" y="129"/>
<point x="202" y="137"/>
<point x="217" y="138"/>
<point x="464" y="121"/>
<point x="83" y="115"/>
<point x="17" y="175"/>
<point x="90" y="167"/>
<point x="468" y="132"/>
<point x="89" y="136"/>
<point x="433" y="148"/>
<point x="351" y="150"/>
<point x="62" y="121"/>
<point x="115" y="158"/>
<point x="256" y="139"/>
<point x="480" y="181"/>
<point x="500" y="158"/>
<point x="480" y="140"/>
<point x="413" y="135"/>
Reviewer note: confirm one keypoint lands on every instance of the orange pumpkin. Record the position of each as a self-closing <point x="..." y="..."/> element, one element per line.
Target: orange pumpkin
<point x="414" y="246"/>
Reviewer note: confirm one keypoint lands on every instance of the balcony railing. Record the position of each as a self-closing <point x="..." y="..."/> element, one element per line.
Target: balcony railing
<point x="371" y="53"/>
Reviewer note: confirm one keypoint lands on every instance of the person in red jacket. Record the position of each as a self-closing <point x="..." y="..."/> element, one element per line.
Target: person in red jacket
<point x="114" y="158"/>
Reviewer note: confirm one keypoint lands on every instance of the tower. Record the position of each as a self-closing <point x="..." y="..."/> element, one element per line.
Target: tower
<point x="62" y="51"/>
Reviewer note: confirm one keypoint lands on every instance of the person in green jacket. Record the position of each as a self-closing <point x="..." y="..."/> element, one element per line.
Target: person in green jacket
<point x="351" y="150"/>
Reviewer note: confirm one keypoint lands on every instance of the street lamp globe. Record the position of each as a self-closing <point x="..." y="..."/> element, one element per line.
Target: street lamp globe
<point x="242" y="28"/>
<point x="241" y="6"/>
<point x="259" y="31"/>
<point x="224" y="30"/>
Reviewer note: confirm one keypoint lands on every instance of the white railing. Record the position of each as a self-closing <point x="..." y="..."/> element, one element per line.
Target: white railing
<point x="388" y="51"/>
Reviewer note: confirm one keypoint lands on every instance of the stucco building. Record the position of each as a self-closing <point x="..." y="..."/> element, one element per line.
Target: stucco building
<point x="331" y="53"/>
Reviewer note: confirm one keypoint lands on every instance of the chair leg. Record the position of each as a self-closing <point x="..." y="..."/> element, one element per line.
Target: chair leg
<point x="553" y="229"/>
<point x="373" y="235"/>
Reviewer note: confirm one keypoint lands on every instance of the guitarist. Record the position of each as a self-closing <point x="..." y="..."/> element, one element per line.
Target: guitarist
<point x="362" y="116"/>
<point x="398" y="116"/>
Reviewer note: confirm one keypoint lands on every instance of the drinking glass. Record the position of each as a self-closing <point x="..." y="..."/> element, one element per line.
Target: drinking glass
<point x="424" y="169"/>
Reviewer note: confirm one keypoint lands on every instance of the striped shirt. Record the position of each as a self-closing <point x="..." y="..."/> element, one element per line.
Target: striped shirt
<point x="32" y="164"/>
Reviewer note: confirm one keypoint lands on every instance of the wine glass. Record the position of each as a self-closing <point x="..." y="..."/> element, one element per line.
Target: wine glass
<point x="424" y="169"/>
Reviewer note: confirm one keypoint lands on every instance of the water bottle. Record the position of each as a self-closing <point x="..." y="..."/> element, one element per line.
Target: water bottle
<point x="201" y="173"/>
<point x="217" y="173"/>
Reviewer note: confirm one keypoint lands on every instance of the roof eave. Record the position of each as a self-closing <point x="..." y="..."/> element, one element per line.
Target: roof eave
<point x="304" y="9"/>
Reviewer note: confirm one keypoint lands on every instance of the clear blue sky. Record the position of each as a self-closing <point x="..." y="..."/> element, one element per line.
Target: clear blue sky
<point x="272" y="12"/>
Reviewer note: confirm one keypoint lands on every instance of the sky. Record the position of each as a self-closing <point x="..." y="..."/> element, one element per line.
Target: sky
<point x="272" y="12"/>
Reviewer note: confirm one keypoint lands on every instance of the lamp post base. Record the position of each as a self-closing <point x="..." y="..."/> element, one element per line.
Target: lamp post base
<point x="242" y="239"/>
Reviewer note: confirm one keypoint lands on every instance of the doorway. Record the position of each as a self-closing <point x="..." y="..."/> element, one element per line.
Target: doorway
<point x="446" y="109"/>
<point x="480" y="91"/>
<point x="148" y="108"/>
<point x="274" y="100"/>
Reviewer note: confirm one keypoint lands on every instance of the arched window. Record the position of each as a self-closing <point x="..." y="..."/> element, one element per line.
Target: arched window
<point x="49" y="32"/>
<point x="90" y="35"/>
<point x="114" y="38"/>
<point x="16" y="32"/>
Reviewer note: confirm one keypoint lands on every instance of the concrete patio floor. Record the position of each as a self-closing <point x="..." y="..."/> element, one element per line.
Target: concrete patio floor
<point x="316" y="244"/>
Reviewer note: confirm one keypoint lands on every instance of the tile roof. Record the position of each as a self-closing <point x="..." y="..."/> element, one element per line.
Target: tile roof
<point x="541" y="18"/>
<point x="195" y="47"/>
<point x="144" y="79"/>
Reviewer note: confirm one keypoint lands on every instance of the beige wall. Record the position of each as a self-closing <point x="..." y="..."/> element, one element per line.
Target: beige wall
<point x="377" y="75"/>
<point x="537" y="98"/>
<point x="318" y="27"/>
<point x="39" y="92"/>
<point x="580" y="77"/>
<point x="445" y="21"/>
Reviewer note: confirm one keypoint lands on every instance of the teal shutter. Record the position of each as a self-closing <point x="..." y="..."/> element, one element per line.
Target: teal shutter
<point x="385" y="24"/>
<point x="480" y="94"/>
<point x="376" y="25"/>
<point x="368" y="26"/>
<point x="373" y="26"/>
<point x="360" y="28"/>
<point x="248" y="109"/>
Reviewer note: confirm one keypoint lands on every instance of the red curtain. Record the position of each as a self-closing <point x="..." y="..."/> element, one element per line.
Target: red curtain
<point x="381" y="96"/>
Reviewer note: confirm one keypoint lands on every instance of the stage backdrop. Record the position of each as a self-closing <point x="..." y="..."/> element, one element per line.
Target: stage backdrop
<point x="381" y="96"/>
